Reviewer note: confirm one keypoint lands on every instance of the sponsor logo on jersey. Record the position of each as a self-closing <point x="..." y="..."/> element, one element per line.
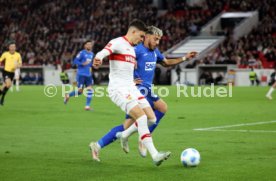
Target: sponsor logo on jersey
<point x="130" y="59"/>
<point x="149" y="66"/>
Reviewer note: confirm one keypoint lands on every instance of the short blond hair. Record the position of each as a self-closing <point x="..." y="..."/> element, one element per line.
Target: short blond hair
<point x="153" y="30"/>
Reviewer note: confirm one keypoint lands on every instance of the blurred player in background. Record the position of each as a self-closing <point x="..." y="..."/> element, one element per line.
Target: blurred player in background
<point x="273" y="87"/>
<point x="84" y="61"/>
<point x="12" y="60"/>
<point x="147" y="55"/>
<point x="122" y="90"/>
<point x="17" y="79"/>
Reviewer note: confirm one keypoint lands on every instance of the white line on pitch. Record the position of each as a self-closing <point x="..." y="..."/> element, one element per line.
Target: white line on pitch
<point x="241" y="130"/>
<point x="234" y="125"/>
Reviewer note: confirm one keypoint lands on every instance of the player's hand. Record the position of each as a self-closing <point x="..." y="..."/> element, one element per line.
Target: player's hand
<point x="138" y="81"/>
<point x="191" y="55"/>
<point x="86" y="63"/>
<point x="97" y="62"/>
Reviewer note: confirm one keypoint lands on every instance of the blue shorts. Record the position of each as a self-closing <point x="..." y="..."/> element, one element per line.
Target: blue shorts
<point x="84" y="81"/>
<point x="149" y="95"/>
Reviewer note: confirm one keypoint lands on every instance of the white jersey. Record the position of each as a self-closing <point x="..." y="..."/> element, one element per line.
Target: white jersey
<point x="122" y="60"/>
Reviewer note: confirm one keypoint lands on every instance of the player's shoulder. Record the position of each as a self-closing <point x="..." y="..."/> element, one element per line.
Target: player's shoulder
<point x="79" y="54"/>
<point x="139" y="48"/>
<point x="156" y="50"/>
<point x="17" y="53"/>
<point x="5" y="53"/>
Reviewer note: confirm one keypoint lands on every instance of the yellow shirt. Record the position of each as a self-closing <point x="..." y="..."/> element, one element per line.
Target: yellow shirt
<point x="11" y="61"/>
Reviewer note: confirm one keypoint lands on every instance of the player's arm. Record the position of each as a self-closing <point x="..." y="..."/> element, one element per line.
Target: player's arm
<point x="2" y="58"/>
<point x="77" y="59"/>
<point x="108" y="50"/>
<point x="175" y="61"/>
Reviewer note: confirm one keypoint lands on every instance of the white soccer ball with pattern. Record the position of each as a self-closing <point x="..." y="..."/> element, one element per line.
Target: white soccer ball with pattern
<point x="190" y="157"/>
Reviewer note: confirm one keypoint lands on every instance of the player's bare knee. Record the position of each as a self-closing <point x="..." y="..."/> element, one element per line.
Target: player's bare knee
<point x="80" y="90"/>
<point x="161" y="106"/>
<point x="136" y="112"/>
<point x="8" y="84"/>
<point x="128" y="123"/>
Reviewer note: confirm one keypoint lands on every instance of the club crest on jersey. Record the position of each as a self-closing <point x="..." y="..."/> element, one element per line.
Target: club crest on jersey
<point x="128" y="97"/>
<point x="149" y="66"/>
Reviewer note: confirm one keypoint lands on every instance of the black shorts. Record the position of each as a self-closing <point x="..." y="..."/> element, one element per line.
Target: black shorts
<point x="8" y="75"/>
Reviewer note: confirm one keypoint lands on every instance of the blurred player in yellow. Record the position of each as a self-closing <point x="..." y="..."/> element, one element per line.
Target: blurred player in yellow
<point x="12" y="61"/>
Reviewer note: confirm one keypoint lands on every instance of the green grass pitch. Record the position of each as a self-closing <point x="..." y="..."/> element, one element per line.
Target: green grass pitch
<point x="42" y="139"/>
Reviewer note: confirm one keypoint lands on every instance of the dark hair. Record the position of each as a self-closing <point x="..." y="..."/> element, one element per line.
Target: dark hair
<point x="139" y="24"/>
<point x="87" y="41"/>
<point x="10" y="42"/>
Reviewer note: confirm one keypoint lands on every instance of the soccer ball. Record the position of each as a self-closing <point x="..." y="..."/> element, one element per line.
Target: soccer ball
<point x="190" y="157"/>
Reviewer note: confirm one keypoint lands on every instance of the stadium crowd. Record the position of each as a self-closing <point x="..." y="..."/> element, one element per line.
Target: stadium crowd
<point x="51" y="32"/>
<point x="257" y="49"/>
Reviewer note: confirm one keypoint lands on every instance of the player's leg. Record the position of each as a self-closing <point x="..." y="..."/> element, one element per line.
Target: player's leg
<point x="140" y="110"/>
<point x="89" y="92"/>
<point x="269" y="93"/>
<point x="160" y="108"/>
<point x="143" y="113"/>
<point x="80" y="84"/>
<point x="107" y="139"/>
<point x="5" y="88"/>
<point x="110" y="137"/>
<point x="127" y="99"/>
<point x="17" y="77"/>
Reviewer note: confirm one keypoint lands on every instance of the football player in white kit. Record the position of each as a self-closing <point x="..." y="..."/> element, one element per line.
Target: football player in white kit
<point x="122" y="90"/>
<point x="17" y="78"/>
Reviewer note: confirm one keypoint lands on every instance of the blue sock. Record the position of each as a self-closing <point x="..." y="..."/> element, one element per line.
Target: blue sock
<point x="110" y="136"/>
<point x="73" y="93"/>
<point x="89" y="97"/>
<point x="159" y="116"/>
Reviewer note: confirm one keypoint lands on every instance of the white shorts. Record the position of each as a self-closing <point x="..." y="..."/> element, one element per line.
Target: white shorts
<point x="127" y="98"/>
<point x="17" y="74"/>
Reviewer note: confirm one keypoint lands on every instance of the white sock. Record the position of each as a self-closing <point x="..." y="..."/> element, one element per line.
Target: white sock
<point x="129" y="131"/>
<point x="17" y="85"/>
<point x="98" y="146"/>
<point x="270" y="91"/>
<point x="151" y="121"/>
<point x="145" y="136"/>
<point x="133" y="128"/>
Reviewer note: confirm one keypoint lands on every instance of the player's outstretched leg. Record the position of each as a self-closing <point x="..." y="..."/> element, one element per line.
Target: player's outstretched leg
<point x="159" y="115"/>
<point x="144" y="134"/>
<point x="95" y="151"/>
<point x="104" y="141"/>
<point x="88" y="99"/>
<point x="71" y="94"/>
<point x="142" y="149"/>
<point x="4" y="92"/>
<point x="269" y="93"/>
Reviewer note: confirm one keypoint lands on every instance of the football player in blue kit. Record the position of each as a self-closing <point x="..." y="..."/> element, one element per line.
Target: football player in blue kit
<point x="84" y="62"/>
<point x="147" y="55"/>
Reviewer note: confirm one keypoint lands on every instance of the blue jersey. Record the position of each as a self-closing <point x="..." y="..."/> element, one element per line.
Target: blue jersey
<point x="146" y="63"/>
<point x="83" y="56"/>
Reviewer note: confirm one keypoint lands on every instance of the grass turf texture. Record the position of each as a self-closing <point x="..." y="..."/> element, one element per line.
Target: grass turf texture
<point x="42" y="139"/>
